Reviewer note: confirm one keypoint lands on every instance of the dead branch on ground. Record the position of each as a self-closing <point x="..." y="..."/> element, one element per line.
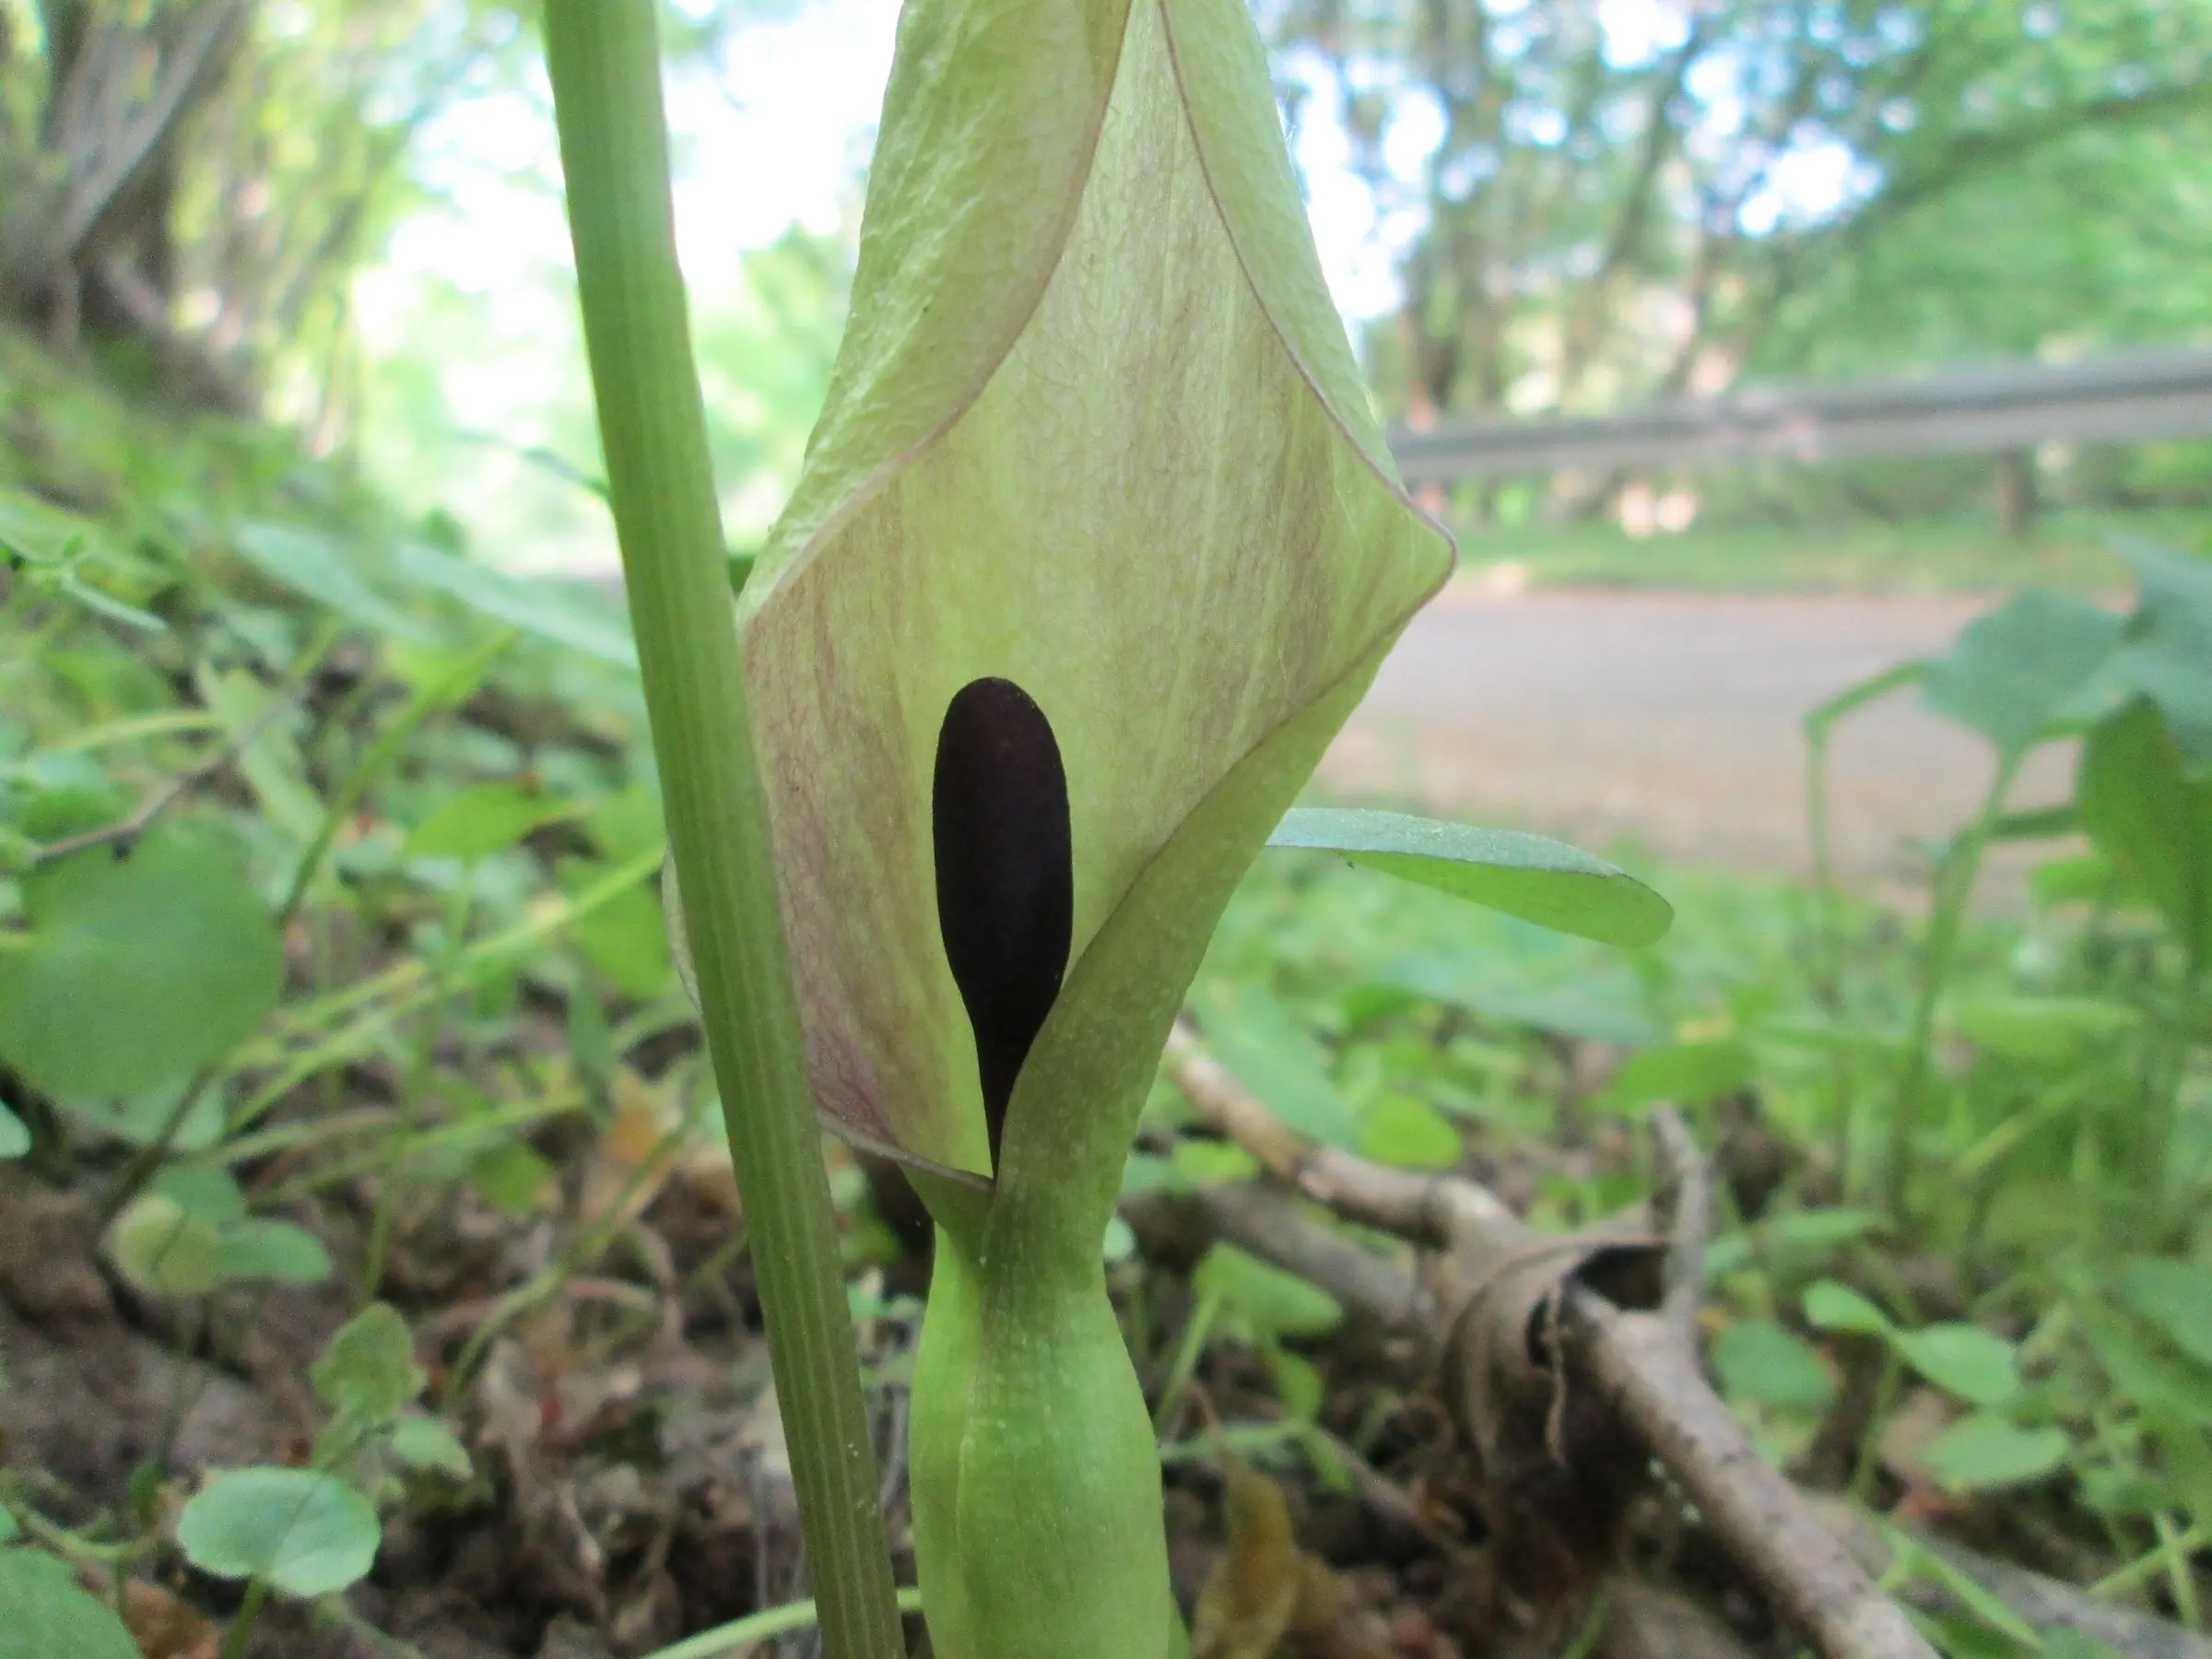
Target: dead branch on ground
<point x="1571" y="1341"/>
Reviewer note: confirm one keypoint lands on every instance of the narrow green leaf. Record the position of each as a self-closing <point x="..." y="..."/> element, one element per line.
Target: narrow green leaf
<point x="315" y="567"/>
<point x="1530" y="877"/>
<point x="484" y="818"/>
<point x="1410" y="1133"/>
<point x="308" y="1532"/>
<point x="2042" y="1028"/>
<point x="1829" y="1306"/>
<point x="2175" y="1296"/>
<point x="278" y="1251"/>
<point x="1791" y="1242"/>
<point x="1272" y="1052"/>
<point x="423" y="1442"/>
<point x="2153" y="821"/>
<point x="1269" y="1302"/>
<point x="561" y="613"/>
<point x="1984" y="1452"/>
<point x="1689" y="1074"/>
<point x="1978" y="1365"/>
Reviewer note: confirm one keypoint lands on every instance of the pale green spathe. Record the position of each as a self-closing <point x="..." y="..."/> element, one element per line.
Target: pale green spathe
<point x="1095" y="429"/>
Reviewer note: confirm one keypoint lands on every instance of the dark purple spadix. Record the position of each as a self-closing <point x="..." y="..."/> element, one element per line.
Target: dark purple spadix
<point x="1006" y="875"/>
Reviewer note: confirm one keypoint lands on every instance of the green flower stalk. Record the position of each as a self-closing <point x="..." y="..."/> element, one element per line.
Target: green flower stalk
<point x="1097" y="544"/>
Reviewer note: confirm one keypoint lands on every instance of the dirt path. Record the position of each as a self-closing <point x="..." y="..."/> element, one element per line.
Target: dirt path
<point x="1672" y="721"/>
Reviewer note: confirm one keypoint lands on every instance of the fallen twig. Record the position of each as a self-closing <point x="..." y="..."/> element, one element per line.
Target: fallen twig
<point x="1689" y="1206"/>
<point x="2046" y="1603"/>
<point x="1516" y="1318"/>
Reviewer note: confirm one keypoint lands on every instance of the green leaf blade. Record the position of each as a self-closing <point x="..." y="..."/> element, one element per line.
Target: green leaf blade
<point x="1531" y="876"/>
<point x="140" y="969"/>
<point x="309" y="1533"/>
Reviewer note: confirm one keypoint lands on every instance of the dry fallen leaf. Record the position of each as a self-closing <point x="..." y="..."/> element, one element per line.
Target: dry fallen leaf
<point x="164" y="1626"/>
<point x="1252" y="1594"/>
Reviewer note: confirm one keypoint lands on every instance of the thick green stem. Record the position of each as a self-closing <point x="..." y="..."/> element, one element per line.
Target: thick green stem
<point x="604" y="60"/>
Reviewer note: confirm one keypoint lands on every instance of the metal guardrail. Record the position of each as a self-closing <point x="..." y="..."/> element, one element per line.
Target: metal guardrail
<point x="2122" y="398"/>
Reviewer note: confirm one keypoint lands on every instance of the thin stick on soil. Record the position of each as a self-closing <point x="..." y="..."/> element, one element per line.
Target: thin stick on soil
<point x="1642" y="1365"/>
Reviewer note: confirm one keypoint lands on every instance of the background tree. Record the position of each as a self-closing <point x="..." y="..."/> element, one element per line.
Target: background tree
<point x="1607" y="204"/>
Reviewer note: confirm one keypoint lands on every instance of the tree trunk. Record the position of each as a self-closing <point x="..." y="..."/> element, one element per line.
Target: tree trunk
<point x="86" y="246"/>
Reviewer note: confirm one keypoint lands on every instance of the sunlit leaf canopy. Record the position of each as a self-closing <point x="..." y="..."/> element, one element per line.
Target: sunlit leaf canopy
<point x="1094" y="431"/>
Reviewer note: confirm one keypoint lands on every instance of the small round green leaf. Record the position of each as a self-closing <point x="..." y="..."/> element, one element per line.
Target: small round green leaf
<point x="45" y="1613"/>
<point x="15" y="1139"/>
<point x="165" y="1249"/>
<point x="1978" y="1365"/>
<point x="140" y="969"/>
<point x="368" y="1368"/>
<point x="308" y="1532"/>
<point x="1532" y="877"/>
<point x="211" y="1194"/>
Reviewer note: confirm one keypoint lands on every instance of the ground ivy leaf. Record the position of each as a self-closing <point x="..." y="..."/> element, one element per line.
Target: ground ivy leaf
<point x="308" y="1532"/>
<point x="139" y="970"/>
<point x="1531" y="876"/>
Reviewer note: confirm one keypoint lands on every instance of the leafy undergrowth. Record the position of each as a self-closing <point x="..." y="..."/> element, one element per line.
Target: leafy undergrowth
<point x="2068" y="551"/>
<point x="371" y="1280"/>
